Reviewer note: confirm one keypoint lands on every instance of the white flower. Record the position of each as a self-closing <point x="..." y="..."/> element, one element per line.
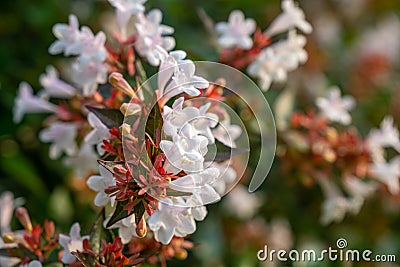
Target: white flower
<point x="83" y="162"/>
<point x="237" y="31"/>
<point x="267" y="68"/>
<point x="99" y="132"/>
<point x="359" y="191"/>
<point x="171" y="219"/>
<point x="26" y="102"/>
<point x="91" y="46"/>
<point x="68" y="37"/>
<point x="124" y="10"/>
<point x="169" y="63"/>
<point x="386" y="136"/>
<point x="291" y="17"/>
<point x="185" y="152"/>
<point x="62" y="136"/>
<point x="227" y="133"/>
<point x="53" y="86"/>
<point x="33" y="264"/>
<point x="151" y="34"/>
<point x="334" y="209"/>
<point x="388" y="173"/>
<point x="126" y="228"/>
<point x="227" y="175"/>
<point x="71" y="243"/>
<point x="199" y="184"/>
<point x="336" y="108"/>
<point x="7" y="205"/>
<point x="201" y="120"/>
<point x="242" y="203"/>
<point x="273" y="63"/>
<point x="88" y="74"/>
<point x="100" y="183"/>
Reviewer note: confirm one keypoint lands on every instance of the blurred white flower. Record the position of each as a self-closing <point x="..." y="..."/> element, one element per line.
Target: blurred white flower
<point x="151" y="34"/>
<point x="389" y="30"/>
<point x="68" y="37"/>
<point x="388" y="173"/>
<point x="99" y="132"/>
<point x="177" y="116"/>
<point x="33" y="264"/>
<point x="84" y="162"/>
<point x="71" y="243"/>
<point x="199" y="184"/>
<point x="62" y="136"/>
<point x="125" y="9"/>
<point x="227" y="133"/>
<point x="54" y="86"/>
<point x="334" y="209"/>
<point x="292" y="17"/>
<point x="171" y="219"/>
<point x="91" y="46"/>
<point x="335" y="107"/>
<point x="359" y="190"/>
<point x="237" y="31"/>
<point x="26" y="102"/>
<point x="386" y="136"/>
<point x="186" y="151"/>
<point x="7" y="206"/>
<point x="100" y="183"/>
<point x="242" y="203"/>
<point x="88" y="74"/>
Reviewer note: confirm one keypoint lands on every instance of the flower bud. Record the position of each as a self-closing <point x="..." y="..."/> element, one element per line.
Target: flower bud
<point x="8" y="238"/>
<point x="117" y="80"/>
<point x="48" y="229"/>
<point x="22" y="215"/>
<point x="129" y="109"/>
<point x="141" y="228"/>
<point x="126" y="131"/>
<point x="181" y="254"/>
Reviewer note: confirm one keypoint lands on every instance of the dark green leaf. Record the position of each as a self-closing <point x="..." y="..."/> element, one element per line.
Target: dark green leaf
<point x="174" y="193"/>
<point x="154" y="122"/>
<point x="138" y="210"/>
<point x="98" y="232"/>
<point x="112" y="118"/>
<point x="118" y="214"/>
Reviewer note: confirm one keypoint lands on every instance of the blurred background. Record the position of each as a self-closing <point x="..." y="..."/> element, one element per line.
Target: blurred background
<point x="349" y="47"/>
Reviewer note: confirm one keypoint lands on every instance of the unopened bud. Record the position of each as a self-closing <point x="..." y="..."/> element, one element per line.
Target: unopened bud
<point x="22" y="215"/>
<point x="129" y="109"/>
<point x="8" y="238"/>
<point x="117" y="80"/>
<point x="141" y="228"/>
<point x="48" y="229"/>
<point x="126" y="131"/>
<point x="181" y="254"/>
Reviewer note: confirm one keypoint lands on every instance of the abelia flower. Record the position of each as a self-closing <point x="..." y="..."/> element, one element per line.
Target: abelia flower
<point x="7" y="206"/>
<point x="91" y="46"/>
<point x="186" y="151"/>
<point x="33" y="264"/>
<point x="388" y="173"/>
<point x="26" y="102"/>
<point x="68" y="37"/>
<point x="54" y="86"/>
<point x="335" y="107"/>
<point x="242" y="203"/>
<point x="71" y="243"/>
<point x="292" y="17"/>
<point x="151" y="34"/>
<point x="227" y="175"/>
<point x="99" y="132"/>
<point x="199" y="185"/>
<point x="62" y="136"/>
<point x="171" y="219"/>
<point x="201" y="120"/>
<point x="100" y="183"/>
<point x="125" y="9"/>
<point x="88" y="75"/>
<point x="227" y="133"/>
<point x="237" y="31"/>
<point x="386" y="136"/>
<point x="126" y="228"/>
<point x="334" y="209"/>
<point x="84" y="162"/>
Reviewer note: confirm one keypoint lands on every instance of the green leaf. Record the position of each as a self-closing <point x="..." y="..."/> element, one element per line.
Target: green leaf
<point x="224" y="152"/>
<point x="154" y="122"/>
<point x="174" y="193"/>
<point x="118" y="214"/>
<point x="139" y="210"/>
<point x="98" y="232"/>
<point x="112" y="118"/>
